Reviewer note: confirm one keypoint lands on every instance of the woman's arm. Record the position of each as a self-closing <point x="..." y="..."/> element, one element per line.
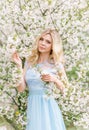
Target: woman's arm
<point x="21" y="87"/>
<point x="61" y="80"/>
<point x="59" y="84"/>
<point x="16" y="59"/>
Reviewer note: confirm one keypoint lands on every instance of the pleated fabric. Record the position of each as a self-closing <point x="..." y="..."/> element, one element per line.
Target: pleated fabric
<point x="43" y="113"/>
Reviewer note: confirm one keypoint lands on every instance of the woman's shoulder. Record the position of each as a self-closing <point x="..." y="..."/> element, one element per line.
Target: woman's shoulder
<point x="59" y="65"/>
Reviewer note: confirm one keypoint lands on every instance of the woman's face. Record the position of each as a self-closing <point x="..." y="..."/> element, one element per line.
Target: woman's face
<point x="45" y="44"/>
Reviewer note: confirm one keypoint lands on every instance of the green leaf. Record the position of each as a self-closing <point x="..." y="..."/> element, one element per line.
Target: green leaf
<point x="72" y="73"/>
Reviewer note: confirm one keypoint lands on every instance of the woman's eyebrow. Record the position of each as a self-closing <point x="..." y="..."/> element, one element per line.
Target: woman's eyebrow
<point x="41" y="38"/>
<point x="45" y="39"/>
<point x="48" y="40"/>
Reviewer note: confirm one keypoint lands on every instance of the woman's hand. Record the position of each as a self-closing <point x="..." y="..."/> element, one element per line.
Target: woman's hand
<point x="52" y="78"/>
<point x="16" y="59"/>
<point x="48" y="78"/>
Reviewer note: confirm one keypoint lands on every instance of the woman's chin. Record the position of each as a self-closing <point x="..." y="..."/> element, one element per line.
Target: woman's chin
<point x="42" y="51"/>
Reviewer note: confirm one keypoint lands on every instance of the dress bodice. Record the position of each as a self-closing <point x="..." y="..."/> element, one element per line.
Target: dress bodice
<point x="33" y="75"/>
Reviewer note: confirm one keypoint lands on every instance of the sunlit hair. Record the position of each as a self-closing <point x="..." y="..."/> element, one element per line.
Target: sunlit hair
<point x="56" y="52"/>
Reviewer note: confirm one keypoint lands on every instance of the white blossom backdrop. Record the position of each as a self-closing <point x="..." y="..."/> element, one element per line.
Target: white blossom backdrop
<point x="20" y="22"/>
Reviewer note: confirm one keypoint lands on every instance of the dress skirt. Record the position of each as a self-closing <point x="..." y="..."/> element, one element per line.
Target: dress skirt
<point x="43" y="113"/>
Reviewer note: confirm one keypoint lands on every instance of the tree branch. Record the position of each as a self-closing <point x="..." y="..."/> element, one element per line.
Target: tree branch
<point x="53" y="23"/>
<point x="12" y="98"/>
<point x="20" y="5"/>
<point x="57" y="7"/>
<point x="22" y="25"/>
<point x="42" y="12"/>
<point x="4" y="34"/>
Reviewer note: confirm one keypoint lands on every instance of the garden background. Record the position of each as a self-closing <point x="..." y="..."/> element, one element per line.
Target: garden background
<point x="20" y="22"/>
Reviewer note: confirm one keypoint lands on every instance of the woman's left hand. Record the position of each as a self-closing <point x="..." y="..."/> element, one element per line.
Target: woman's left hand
<point x="48" y="78"/>
<point x="53" y="78"/>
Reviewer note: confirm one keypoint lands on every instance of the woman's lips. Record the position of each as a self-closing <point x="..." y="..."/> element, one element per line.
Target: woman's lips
<point x="41" y="47"/>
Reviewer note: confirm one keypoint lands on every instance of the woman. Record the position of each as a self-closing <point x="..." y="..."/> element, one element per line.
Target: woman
<point x="41" y="68"/>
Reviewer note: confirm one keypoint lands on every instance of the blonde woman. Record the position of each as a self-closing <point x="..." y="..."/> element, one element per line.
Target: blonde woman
<point x="41" y="69"/>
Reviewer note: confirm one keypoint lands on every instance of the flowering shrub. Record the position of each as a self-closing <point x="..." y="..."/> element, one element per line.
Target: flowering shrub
<point x="20" y="22"/>
<point x="74" y="105"/>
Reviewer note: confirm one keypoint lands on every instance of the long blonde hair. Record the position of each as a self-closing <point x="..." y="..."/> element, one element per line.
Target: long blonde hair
<point x="57" y="50"/>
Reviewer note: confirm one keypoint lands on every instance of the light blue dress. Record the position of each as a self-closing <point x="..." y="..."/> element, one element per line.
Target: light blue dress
<point x="42" y="113"/>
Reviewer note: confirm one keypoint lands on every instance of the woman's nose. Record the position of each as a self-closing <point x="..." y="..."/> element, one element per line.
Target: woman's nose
<point x="43" y="42"/>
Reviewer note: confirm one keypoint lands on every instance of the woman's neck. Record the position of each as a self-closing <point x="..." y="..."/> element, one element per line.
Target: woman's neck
<point x="44" y="58"/>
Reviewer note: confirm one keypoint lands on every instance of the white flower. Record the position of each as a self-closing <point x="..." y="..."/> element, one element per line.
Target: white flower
<point x="44" y="72"/>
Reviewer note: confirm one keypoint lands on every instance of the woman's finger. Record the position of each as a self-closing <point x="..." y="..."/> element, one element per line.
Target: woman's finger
<point x="46" y="78"/>
<point x="45" y="75"/>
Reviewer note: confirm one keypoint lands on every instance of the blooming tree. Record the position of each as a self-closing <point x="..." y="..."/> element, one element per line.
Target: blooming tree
<point x="20" y="22"/>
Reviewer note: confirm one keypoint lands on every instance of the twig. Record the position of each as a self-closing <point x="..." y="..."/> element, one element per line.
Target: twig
<point x="53" y="23"/>
<point x="12" y="98"/>
<point x="20" y="5"/>
<point x="22" y="25"/>
<point x="4" y="34"/>
<point x="57" y="7"/>
<point x="43" y="13"/>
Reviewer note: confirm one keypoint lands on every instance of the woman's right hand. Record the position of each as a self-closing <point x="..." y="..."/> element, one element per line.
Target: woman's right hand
<point x="16" y="59"/>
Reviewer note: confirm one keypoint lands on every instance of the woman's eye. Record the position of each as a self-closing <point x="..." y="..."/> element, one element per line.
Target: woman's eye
<point x="41" y="39"/>
<point x="48" y="42"/>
